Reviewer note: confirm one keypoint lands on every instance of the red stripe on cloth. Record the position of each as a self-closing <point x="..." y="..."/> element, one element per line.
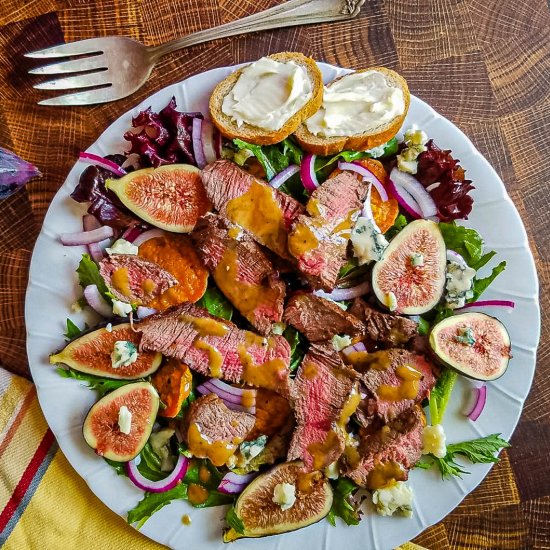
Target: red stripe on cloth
<point x="26" y="479"/>
<point x="18" y="419"/>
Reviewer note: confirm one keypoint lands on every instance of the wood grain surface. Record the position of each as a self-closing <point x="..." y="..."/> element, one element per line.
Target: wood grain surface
<point x="484" y="64"/>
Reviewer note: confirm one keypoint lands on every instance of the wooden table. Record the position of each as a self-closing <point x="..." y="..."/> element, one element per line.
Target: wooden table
<point x="485" y="65"/>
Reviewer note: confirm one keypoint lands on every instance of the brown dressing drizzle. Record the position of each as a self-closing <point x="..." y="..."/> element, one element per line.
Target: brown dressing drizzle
<point x="215" y="359"/>
<point x="350" y="406"/>
<point x="233" y="232"/>
<point x="302" y="240"/>
<point x="258" y="211"/>
<point x="204" y="474"/>
<point x="148" y="286"/>
<point x="197" y="494"/>
<point x="310" y="370"/>
<point x="217" y="451"/>
<point x="121" y="281"/>
<point x="408" y="389"/>
<point x="248" y="398"/>
<point x="186" y="520"/>
<point x="320" y="450"/>
<point x="305" y="482"/>
<point x="385" y="474"/>
<point x="205" y="326"/>
<point x="343" y="229"/>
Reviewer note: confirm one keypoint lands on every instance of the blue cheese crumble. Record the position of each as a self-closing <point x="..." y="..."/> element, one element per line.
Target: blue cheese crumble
<point x="124" y="354"/>
<point x="460" y="281"/>
<point x="395" y="499"/>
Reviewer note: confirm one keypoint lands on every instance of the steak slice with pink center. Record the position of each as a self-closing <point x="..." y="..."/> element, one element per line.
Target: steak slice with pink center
<point x="242" y="270"/>
<point x="320" y="392"/>
<point x="217" y="348"/>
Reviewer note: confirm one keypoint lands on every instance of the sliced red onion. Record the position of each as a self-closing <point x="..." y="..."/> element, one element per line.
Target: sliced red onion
<point x="198" y="148"/>
<point x="366" y="211"/>
<point x="339" y="294"/>
<point x="354" y="348"/>
<point x="234" y="484"/>
<point x="405" y="200"/>
<point x="416" y="190"/>
<point x="489" y="303"/>
<point x="307" y="173"/>
<point x="433" y="186"/>
<point x="367" y="176"/>
<point x="453" y="256"/>
<point x="96" y="302"/>
<point x="143" y="311"/>
<point x="162" y="485"/>
<point x="281" y="177"/>
<point x="476" y="403"/>
<point x="113" y="167"/>
<point x="230" y="395"/>
<point x="207" y="138"/>
<point x="87" y="237"/>
<point x="147" y="235"/>
<point x="96" y="250"/>
<point x="131" y="233"/>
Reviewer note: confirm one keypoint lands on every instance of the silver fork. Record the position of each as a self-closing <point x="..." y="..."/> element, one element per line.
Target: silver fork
<point x="121" y="65"/>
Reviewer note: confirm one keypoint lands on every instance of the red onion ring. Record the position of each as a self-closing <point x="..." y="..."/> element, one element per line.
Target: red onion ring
<point x="162" y="485"/>
<point x="143" y="311"/>
<point x="96" y="302"/>
<point x="113" y="167"/>
<point x="367" y="176"/>
<point x="131" y="233"/>
<point x="307" y="173"/>
<point x="233" y="484"/>
<point x="87" y="237"/>
<point x="405" y="200"/>
<point x="96" y="250"/>
<point x="231" y="396"/>
<point x="198" y="148"/>
<point x="476" y="403"/>
<point x="489" y="303"/>
<point x="453" y="256"/>
<point x="339" y="294"/>
<point x="147" y="235"/>
<point x="281" y="177"/>
<point x="208" y="142"/>
<point x="354" y="348"/>
<point x="416" y="190"/>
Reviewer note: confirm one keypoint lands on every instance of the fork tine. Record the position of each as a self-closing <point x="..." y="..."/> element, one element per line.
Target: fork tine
<point x="86" y="64"/>
<point x="82" y="81"/>
<point x="82" y="98"/>
<point x="91" y="45"/>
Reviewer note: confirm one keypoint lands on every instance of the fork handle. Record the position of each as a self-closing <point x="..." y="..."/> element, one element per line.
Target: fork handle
<point x="287" y="14"/>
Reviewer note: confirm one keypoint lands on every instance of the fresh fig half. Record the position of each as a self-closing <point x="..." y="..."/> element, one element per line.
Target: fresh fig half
<point x="102" y="430"/>
<point x="91" y="353"/>
<point x="260" y="516"/>
<point x="171" y="197"/>
<point x="474" y="344"/>
<point x="410" y="277"/>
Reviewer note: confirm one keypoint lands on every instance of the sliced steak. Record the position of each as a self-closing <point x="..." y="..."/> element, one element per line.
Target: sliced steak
<point x="321" y="390"/>
<point x="319" y="241"/>
<point x="134" y="280"/>
<point x="216" y="347"/>
<point x="251" y="203"/>
<point x="320" y="319"/>
<point x="242" y="270"/>
<point x="389" y="393"/>
<point x="385" y="329"/>
<point x="389" y="452"/>
<point x="213" y="431"/>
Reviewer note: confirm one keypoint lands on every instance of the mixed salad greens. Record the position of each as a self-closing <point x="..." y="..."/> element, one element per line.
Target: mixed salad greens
<point x="167" y="137"/>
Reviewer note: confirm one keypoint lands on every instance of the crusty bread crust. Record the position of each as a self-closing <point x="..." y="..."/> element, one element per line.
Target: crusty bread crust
<point x="252" y="134"/>
<point x="323" y="146"/>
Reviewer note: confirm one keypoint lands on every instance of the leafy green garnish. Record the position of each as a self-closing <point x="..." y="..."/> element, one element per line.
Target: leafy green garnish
<point x="292" y="151"/>
<point x="88" y="274"/>
<point x="399" y="223"/>
<point x="186" y="402"/>
<point x="215" y="497"/>
<point x="72" y="330"/>
<point x="149" y="465"/>
<point x="477" y="451"/>
<point x="342" y="507"/>
<point x="423" y="326"/>
<point x="234" y="521"/>
<point x="153" y="502"/>
<point x="96" y="383"/>
<point x="119" y="467"/>
<point x="465" y="241"/>
<point x="297" y="349"/>
<point x="271" y="157"/>
<point x="348" y="267"/>
<point x="480" y="285"/>
<point x="216" y="303"/>
<point x="440" y="394"/>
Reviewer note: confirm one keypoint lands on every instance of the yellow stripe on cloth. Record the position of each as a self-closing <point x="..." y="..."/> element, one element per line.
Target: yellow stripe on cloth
<point x="15" y="388"/>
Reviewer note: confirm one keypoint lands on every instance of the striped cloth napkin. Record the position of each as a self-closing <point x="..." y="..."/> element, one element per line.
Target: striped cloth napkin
<point x="44" y="503"/>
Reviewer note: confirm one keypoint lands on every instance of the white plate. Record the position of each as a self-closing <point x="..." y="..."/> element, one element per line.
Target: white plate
<point x="52" y="289"/>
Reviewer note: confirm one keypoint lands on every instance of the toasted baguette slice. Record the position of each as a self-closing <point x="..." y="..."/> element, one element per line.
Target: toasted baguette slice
<point x="252" y="134"/>
<point x="372" y="137"/>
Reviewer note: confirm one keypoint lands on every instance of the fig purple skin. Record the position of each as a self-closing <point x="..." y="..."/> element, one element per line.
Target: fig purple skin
<point x="14" y="172"/>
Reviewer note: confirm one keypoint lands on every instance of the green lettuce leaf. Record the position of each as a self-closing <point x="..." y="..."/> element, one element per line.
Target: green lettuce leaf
<point x="153" y="502"/>
<point x="216" y="303"/>
<point x="440" y="395"/>
<point x="215" y="497"/>
<point x="342" y="507"/>
<point x="88" y="274"/>
<point x="399" y="223"/>
<point x="297" y="346"/>
<point x="96" y="383"/>
<point x="72" y="330"/>
<point x="480" y="285"/>
<point x="271" y="157"/>
<point x="234" y="521"/>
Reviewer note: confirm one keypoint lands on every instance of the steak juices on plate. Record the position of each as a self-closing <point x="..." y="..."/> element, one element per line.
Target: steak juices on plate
<point x="297" y="376"/>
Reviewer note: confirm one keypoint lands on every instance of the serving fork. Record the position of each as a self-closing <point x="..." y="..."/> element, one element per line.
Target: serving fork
<point x="117" y="66"/>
